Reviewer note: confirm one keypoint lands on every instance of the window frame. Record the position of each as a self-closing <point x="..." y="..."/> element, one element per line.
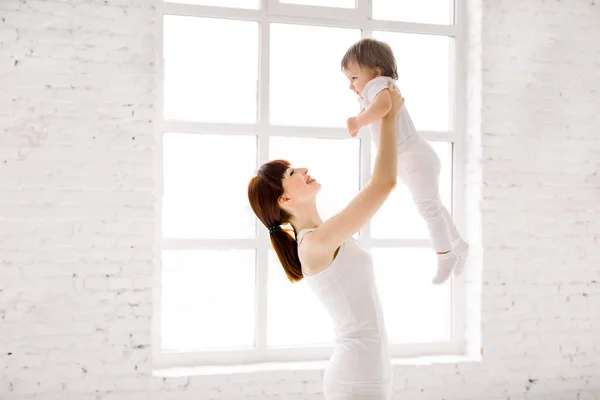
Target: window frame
<point x="272" y="11"/>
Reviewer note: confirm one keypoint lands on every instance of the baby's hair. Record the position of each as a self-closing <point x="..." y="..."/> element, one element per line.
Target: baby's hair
<point x="372" y="53"/>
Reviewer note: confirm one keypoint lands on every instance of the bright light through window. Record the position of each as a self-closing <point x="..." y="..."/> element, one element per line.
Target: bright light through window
<point x="223" y="290"/>
<point x="421" y="11"/>
<point x="211" y="69"/>
<point x="208" y="299"/>
<point x="323" y="3"/>
<point x="307" y="85"/>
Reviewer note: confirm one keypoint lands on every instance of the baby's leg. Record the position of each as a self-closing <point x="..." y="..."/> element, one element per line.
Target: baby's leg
<point x="452" y="231"/>
<point x="420" y="169"/>
<point x="459" y="246"/>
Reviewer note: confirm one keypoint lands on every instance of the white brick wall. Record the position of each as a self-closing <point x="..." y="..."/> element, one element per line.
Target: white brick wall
<point x="77" y="99"/>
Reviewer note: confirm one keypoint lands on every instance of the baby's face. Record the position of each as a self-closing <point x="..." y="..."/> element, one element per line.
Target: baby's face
<point x="359" y="76"/>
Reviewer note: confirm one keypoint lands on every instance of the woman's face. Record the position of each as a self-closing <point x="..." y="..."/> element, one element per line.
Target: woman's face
<point x="298" y="186"/>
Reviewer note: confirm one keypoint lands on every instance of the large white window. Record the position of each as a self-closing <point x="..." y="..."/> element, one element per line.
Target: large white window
<point x="246" y="81"/>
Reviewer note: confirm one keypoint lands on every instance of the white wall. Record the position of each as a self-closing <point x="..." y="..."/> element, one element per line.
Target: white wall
<point x="77" y="158"/>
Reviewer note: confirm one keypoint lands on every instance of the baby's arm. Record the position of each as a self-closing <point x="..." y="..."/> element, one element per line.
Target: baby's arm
<point x="379" y="109"/>
<point x="352" y="124"/>
<point x="382" y="103"/>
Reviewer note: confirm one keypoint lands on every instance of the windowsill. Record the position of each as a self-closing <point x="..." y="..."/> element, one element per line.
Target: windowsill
<point x="297" y="366"/>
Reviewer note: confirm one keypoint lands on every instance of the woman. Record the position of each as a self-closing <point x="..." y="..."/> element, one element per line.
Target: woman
<point x="338" y="270"/>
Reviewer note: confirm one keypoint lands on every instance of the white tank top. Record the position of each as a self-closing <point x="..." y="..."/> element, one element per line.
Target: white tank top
<point x="347" y="290"/>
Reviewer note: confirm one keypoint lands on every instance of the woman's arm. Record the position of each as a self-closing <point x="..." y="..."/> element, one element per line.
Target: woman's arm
<point x="324" y="240"/>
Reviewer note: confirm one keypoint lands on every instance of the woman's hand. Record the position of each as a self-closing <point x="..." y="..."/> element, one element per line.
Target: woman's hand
<point x="397" y="101"/>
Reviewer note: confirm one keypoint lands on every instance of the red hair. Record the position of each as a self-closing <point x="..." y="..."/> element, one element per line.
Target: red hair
<point x="264" y="191"/>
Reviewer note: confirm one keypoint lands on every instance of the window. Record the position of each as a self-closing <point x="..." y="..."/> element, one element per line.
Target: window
<point x="246" y="81"/>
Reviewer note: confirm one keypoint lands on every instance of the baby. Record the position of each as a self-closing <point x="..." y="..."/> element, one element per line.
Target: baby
<point x="369" y="64"/>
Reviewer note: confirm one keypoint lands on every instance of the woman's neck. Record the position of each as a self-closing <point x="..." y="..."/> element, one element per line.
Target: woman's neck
<point x="306" y="225"/>
<point x="308" y="219"/>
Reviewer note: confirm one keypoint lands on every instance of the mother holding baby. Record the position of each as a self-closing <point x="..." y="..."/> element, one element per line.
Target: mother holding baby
<point x="336" y="267"/>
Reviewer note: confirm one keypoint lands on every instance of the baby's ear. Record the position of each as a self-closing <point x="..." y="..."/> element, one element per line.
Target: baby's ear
<point x="378" y="71"/>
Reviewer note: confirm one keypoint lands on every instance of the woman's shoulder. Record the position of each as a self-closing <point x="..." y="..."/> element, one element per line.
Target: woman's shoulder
<point x="306" y="247"/>
<point x="300" y="235"/>
<point x="313" y="257"/>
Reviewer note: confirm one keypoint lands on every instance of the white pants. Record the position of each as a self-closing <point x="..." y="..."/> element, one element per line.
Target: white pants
<point x="358" y="374"/>
<point x="419" y="168"/>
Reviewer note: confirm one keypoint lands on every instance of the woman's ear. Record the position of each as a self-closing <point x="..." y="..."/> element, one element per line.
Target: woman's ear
<point x="285" y="201"/>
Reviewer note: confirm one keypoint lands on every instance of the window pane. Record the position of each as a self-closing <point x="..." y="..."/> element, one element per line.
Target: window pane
<point x="308" y="87"/>
<point x="323" y="3"/>
<point x="415" y="310"/>
<point x="339" y="184"/>
<point x="248" y="4"/>
<point x="422" y="11"/>
<point x="398" y="218"/>
<point x="294" y="315"/>
<point x="207" y="299"/>
<point x="203" y="173"/>
<point x="202" y="69"/>
<point x="424" y="71"/>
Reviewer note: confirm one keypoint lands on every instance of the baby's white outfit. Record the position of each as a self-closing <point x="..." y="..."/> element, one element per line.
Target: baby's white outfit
<point x="418" y="167"/>
<point x="360" y="367"/>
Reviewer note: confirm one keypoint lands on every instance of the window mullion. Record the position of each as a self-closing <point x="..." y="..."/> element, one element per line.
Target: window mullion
<point x="223" y="244"/>
<point x="197" y="10"/>
<point x="262" y="255"/>
<point x="364" y="12"/>
<point x="262" y="264"/>
<point x="276" y="8"/>
<point x="412" y="27"/>
<point x="365" y="175"/>
<point x="458" y="112"/>
<point x="158" y="173"/>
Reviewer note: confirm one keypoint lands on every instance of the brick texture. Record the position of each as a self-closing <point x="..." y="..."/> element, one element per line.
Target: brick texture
<point x="77" y="177"/>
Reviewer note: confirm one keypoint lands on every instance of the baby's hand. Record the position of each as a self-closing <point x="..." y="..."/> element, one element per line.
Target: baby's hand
<point x="352" y="124"/>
